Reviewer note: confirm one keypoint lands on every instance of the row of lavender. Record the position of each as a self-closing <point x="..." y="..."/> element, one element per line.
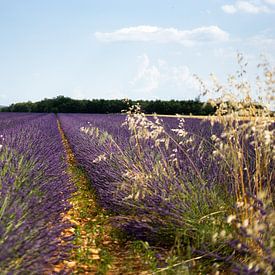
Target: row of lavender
<point x="10" y="120"/>
<point x="34" y="192"/>
<point x="164" y="185"/>
<point x="128" y="172"/>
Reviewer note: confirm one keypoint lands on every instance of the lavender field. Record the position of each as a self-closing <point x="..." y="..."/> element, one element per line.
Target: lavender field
<point x="137" y="137"/>
<point x="34" y="192"/>
<point x="201" y="190"/>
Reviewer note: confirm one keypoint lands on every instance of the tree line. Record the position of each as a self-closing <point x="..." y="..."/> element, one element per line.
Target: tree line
<point x="63" y="104"/>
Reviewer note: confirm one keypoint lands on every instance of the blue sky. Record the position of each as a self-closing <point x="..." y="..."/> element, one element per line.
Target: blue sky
<point x="146" y="49"/>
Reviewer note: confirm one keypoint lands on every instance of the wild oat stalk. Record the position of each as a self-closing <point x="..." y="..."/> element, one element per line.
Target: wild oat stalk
<point x="247" y="145"/>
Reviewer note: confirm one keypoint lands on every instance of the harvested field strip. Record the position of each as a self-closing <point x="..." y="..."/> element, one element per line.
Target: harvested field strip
<point x="98" y="249"/>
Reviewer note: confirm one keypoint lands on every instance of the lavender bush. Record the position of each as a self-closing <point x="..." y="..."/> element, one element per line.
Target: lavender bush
<point x="34" y="193"/>
<point x="148" y="180"/>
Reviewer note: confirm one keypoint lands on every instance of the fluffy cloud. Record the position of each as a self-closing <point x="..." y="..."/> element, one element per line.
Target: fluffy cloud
<point x="229" y="9"/>
<point x="248" y="7"/>
<point x="145" y="33"/>
<point x="271" y="2"/>
<point x="151" y="78"/>
<point x="148" y="76"/>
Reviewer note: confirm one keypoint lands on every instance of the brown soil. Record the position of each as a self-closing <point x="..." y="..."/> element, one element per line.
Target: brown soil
<point x="97" y="251"/>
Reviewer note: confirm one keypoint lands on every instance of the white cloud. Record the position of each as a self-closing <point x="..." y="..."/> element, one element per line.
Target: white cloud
<point x="145" y="33"/>
<point x="229" y="9"/>
<point x="248" y="7"/>
<point x="271" y="2"/>
<point x="148" y="76"/>
<point x="151" y="79"/>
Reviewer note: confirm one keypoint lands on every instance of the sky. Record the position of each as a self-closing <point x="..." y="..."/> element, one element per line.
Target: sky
<point x="138" y="49"/>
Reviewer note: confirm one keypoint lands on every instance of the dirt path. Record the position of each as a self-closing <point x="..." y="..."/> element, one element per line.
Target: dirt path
<point x="98" y="251"/>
